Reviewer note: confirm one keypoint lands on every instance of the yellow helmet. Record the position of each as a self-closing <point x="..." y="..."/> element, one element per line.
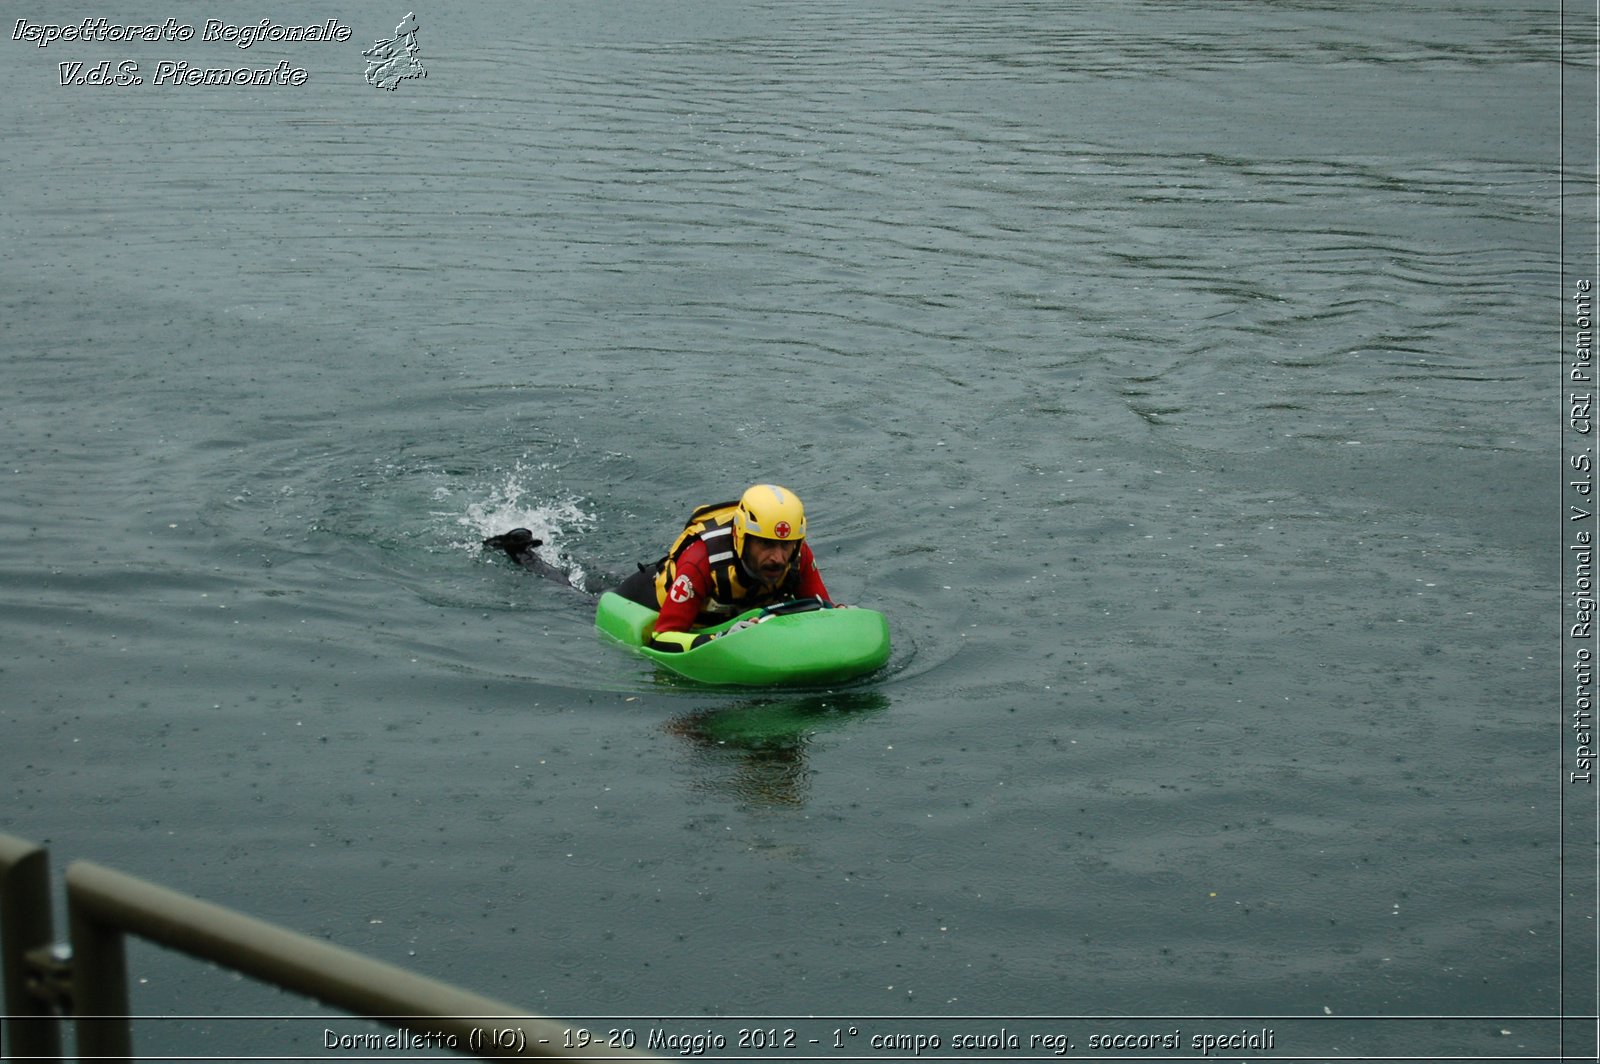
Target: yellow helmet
<point x="767" y="511"/>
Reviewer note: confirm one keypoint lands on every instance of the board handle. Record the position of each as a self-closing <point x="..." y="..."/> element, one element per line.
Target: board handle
<point x="800" y="605"/>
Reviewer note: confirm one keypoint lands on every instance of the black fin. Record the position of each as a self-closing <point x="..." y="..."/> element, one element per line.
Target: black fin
<point x="518" y="544"/>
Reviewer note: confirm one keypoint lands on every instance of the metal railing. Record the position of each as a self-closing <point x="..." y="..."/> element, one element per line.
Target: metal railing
<point x="46" y="982"/>
<point x="27" y="937"/>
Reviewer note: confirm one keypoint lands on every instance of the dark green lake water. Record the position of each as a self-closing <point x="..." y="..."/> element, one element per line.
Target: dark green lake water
<point x="1177" y="377"/>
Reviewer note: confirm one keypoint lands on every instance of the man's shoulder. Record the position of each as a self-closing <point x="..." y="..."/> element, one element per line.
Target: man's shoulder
<point x="695" y="553"/>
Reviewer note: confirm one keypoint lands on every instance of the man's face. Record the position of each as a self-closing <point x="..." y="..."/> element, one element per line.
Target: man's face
<point x="767" y="559"/>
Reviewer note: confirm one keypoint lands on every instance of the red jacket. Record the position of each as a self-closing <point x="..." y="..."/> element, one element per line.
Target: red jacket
<point x="681" y="610"/>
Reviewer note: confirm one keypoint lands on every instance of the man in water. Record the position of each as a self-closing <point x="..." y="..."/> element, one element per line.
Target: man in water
<point x="730" y="557"/>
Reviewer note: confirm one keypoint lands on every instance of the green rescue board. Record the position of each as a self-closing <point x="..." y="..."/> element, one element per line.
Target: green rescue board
<point x="801" y="642"/>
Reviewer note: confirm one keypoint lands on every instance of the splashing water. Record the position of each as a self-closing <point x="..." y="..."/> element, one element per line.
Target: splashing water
<point x="514" y="503"/>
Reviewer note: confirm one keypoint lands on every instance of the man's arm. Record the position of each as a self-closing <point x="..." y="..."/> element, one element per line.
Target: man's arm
<point x="811" y="585"/>
<point x="681" y="609"/>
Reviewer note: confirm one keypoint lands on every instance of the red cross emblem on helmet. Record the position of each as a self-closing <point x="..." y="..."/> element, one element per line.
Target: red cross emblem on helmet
<point x="781" y="529"/>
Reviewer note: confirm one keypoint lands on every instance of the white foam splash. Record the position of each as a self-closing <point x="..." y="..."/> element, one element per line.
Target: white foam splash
<point x="516" y="503"/>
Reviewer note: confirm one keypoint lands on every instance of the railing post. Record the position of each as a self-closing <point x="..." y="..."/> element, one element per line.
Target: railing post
<point x="100" y="983"/>
<point x="31" y="1028"/>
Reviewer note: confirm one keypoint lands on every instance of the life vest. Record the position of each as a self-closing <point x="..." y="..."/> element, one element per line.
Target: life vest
<point x="729" y="593"/>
